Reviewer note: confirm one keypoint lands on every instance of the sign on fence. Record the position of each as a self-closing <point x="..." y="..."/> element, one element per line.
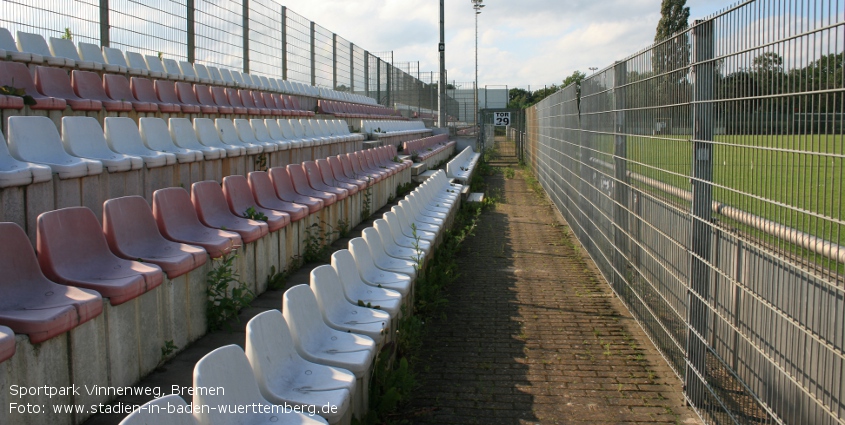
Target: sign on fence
<point x="501" y="119"/>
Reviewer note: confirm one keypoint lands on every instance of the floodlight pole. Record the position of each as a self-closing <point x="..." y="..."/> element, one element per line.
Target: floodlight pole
<point x="441" y="92"/>
<point x="476" y="6"/>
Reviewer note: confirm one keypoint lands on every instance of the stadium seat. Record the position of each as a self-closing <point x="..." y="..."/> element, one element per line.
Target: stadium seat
<point x="248" y="98"/>
<point x="265" y="196"/>
<point x="73" y="251"/>
<point x="228" y="367"/>
<point x="64" y="48"/>
<point x="302" y="187"/>
<point x="91" y="53"/>
<point x="122" y="136"/>
<point x="262" y="134"/>
<point x="183" y="135"/>
<point x="284" y="377"/>
<point x="229" y="135"/>
<point x="88" y="85"/>
<point x="247" y="136"/>
<point x="166" y="410"/>
<point x="157" y="69"/>
<point x="116" y="57"/>
<point x="222" y="101"/>
<point x="207" y="135"/>
<point x="240" y="199"/>
<point x="172" y="67"/>
<point x="156" y="136"/>
<point x="286" y="192"/>
<point x="132" y="233"/>
<point x="36" y="140"/>
<point x="226" y="77"/>
<point x="391" y="248"/>
<point x="405" y="237"/>
<point x="384" y="261"/>
<point x="7" y="342"/>
<point x="54" y="82"/>
<point x="408" y="227"/>
<point x="357" y="291"/>
<point x="177" y="220"/>
<point x="350" y="173"/>
<point x="206" y="99"/>
<point x="234" y="98"/>
<point x="136" y="61"/>
<point x="117" y="88"/>
<point x="166" y="91"/>
<point x="315" y="180"/>
<point x="32" y="304"/>
<point x="18" y="173"/>
<point x="17" y="75"/>
<point x="83" y="137"/>
<point x="213" y="211"/>
<point x="10" y="49"/>
<point x="203" y="77"/>
<point x="144" y="90"/>
<point x="375" y="276"/>
<point x="216" y="78"/>
<point x="339" y="175"/>
<point x="327" y="177"/>
<point x="185" y="93"/>
<point x="37" y="46"/>
<point x="342" y="315"/>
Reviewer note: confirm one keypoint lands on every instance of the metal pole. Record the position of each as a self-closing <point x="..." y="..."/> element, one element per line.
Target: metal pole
<point x="104" y="23"/>
<point x="246" y="35"/>
<point x="366" y="73"/>
<point x="621" y="184"/>
<point x="351" y="68"/>
<point x="191" y="30"/>
<point x="284" y="43"/>
<point x="475" y="87"/>
<point x="334" y="61"/>
<point x="441" y="92"/>
<point x="313" y="54"/>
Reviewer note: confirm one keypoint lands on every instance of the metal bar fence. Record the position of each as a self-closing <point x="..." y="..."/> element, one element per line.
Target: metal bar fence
<point x="704" y="176"/>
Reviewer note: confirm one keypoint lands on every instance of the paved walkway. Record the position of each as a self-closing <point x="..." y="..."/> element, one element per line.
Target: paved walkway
<point x="532" y="336"/>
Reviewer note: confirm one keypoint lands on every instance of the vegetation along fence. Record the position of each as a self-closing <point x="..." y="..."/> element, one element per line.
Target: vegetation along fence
<point x="704" y="176"/>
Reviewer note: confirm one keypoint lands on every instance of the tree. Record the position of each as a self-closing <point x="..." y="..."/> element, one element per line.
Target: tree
<point x="674" y="18"/>
<point x="576" y="77"/>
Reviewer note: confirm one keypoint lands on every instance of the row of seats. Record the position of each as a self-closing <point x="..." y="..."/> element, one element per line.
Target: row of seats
<point x="319" y="349"/>
<point x="462" y="166"/>
<point x="351" y="110"/>
<point x="381" y="128"/>
<point x="427" y="147"/>
<point x="33" y="48"/>
<point x="53" y="89"/>
<point x="173" y="236"/>
<point x="35" y="149"/>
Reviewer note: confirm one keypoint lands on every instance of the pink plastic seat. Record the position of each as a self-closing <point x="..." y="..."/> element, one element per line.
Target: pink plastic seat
<point x="131" y="232"/>
<point x="205" y="98"/>
<point x="221" y="99"/>
<point x="360" y="168"/>
<point x="166" y="91"/>
<point x="248" y="99"/>
<point x="17" y="75"/>
<point x="177" y="220"/>
<point x="240" y="198"/>
<point x="54" y="82"/>
<point x="235" y="100"/>
<point x="302" y="187"/>
<point x="296" y="106"/>
<point x="73" y="251"/>
<point x="265" y="196"/>
<point x="30" y="303"/>
<point x="269" y="102"/>
<point x="339" y="175"/>
<point x="315" y="180"/>
<point x="117" y="88"/>
<point x="144" y="91"/>
<point x="187" y="95"/>
<point x="88" y="85"/>
<point x="10" y="102"/>
<point x="328" y="177"/>
<point x="294" y="111"/>
<point x="213" y="211"/>
<point x="286" y="192"/>
<point x="373" y="164"/>
<point x="350" y="173"/>
<point x="7" y="344"/>
<point x="280" y="104"/>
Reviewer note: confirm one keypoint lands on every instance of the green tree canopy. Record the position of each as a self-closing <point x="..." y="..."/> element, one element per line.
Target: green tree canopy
<point x="674" y="17"/>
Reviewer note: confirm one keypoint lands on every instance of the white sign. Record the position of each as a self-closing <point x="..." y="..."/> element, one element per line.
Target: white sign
<point x="501" y="119"/>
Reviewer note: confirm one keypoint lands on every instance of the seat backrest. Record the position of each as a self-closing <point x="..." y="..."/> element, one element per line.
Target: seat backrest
<point x="166" y="91"/>
<point x="167" y="410"/>
<point x="214" y="73"/>
<point x="154" y="64"/>
<point x="227" y="132"/>
<point x="114" y="57"/>
<point x="203" y="94"/>
<point x="326" y="171"/>
<point x="21" y="272"/>
<point x="83" y="137"/>
<point x="245" y="131"/>
<point x="371" y="236"/>
<point x="274" y="130"/>
<point x="186" y="94"/>
<point x="260" y="130"/>
<point x="33" y="43"/>
<point x="344" y="265"/>
<point x="136" y="60"/>
<point x="226" y="76"/>
<point x="238" y="194"/>
<point x="32" y="137"/>
<point x="219" y="95"/>
<point x="183" y="134"/>
<point x="301" y="312"/>
<point x="92" y="53"/>
<point x="328" y="290"/>
<point x="7" y="42"/>
<point x="200" y="70"/>
<point x="88" y="85"/>
<point x="234" y="98"/>
<point x="123" y="136"/>
<point x="117" y="87"/>
<point x="54" y="82"/>
<point x="173" y="209"/>
<point x="64" y="48"/>
<point x="287" y="129"/>
<point x="172" y="67"/>
<point x="361" y="252"/>
<point x="238" y="78"/>
<point x="226" y="367"/>
<point x="269" y="346"/>
<point x="261" y="185"/>
<point x="209" y="201"/>
<point x="143" y="90"/>
<point x="206" y="132"/>
<point x="128" y="221"/>
<point x="69" y="237"/>
<point x="155" y="134"/>
<point x="247" y="98"/>
<point x="281" y="181"/>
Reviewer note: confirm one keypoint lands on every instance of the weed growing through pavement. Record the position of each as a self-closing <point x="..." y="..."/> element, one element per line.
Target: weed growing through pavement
<point x="227" y="295"/>
<point x="317" y="248"/>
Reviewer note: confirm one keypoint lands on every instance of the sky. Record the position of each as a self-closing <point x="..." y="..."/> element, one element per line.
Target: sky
<point x="520" y="42"/>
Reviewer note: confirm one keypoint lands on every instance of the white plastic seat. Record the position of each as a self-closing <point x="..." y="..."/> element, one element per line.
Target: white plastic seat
<point x="156" y="65"/>
<point x="201" y="72"/>
<point x="296" y="140"/>
<point x="262" y="134"/>
<point x="18" y="173"/>
<point x="275" y="132"/>
<point x="392" y="248"/>
<point x="247" y="135"/>
<point x="284" y="377"/>
<point x="403" y="240"/>
<point x="384" y="261"/>
<point x="216" y="78"/>
<point x="340" y="314"/>
<point x="229" y="368"/>
<point x="136" y="61"/>
<point x="373" y="275"/>
<point x="419" y="219"/>
<point x="63" y="48"/>
<point x="358" y="292"/>
<point x="183" y="135"/>
<point x="91" y="53"/>
<point x="35" y="139"/>
<point x="427" y="209"/>
<point x="265" y="83"/>
<point x="229" y="135"/>
<point x="208" y="136"/>
<point x="37" y="45"/>
<point x="274" y="85"/>
<point x="167" y="410"/>
<point x="226" y="76"/>
<point x="156" y="136"/>
<point x="83" y="137"/>
<point x="10" y="49"/>
<point x="423" y="231"/>
<point x="122" y="136"/>
<point x="116" y="57"/>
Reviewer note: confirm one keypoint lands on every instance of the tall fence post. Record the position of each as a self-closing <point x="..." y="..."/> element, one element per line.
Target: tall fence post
<point x="334" y="61"/>
<point x="246" y="35"/>
<point x="366" y="73"/>
<point x="702" y="177"/>
<point x="621" y="183"/>
<point x="191" y="33"/>
<point x="351" y="68"/>
<point x="105" y="39"/>
<point x="313" y="54"/>
<point x="284" y="43"/>
<point x="378" y="80"/>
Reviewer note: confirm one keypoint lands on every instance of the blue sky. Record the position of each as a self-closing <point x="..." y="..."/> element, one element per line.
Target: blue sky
<point x="521" y="42"/>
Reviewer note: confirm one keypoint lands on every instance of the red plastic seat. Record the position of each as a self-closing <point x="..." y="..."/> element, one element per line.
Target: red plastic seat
<point x="166" y="91"/>
<point x="213" y="211"/>
<point x="17" y="75"/>
<point x="269" y="102"/>
<point x="354" y="172"/>
<point x="380" y="158"/>
<point x="296" y="106"/>
<point x="294" y="112"/>
<point x="373" y="164"/>
<point x="144" y="91"/>
<point x="31" y="304"/>
<point x="177" y="220"/>
<point x="361" y="168"/>
<point x="187" y="95"/>
<point x="88" y="85"/>
<point x="235" y="100"/>
<point x="339" y="175"/>
<point x="315" y="179"/>
<point x="329" y="179"/>
<point x="280" y="104"/>
<point x="73" y="251"/>
<point x="117" y="88"/>
<point x="131" y="232"/>
<point x="265" y="196"/>
<point x="10" y="102"/>
<point x="55" y="82"/>
<point x="221" y="99"/>
<point x="302" y="187"/>
<point x="205" y="98"/>
<point x="248" y="99"/>
<point x="285" y="191"/>
<point x="240" y="199"/>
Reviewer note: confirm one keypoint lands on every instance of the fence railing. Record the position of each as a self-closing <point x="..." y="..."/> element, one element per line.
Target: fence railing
<point x="256" y="36"/>
<point x="704" y="176"/>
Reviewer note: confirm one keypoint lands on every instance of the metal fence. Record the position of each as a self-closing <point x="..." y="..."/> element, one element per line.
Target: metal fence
<point x="256" y="36"/>
<point x="704" y="176"/>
